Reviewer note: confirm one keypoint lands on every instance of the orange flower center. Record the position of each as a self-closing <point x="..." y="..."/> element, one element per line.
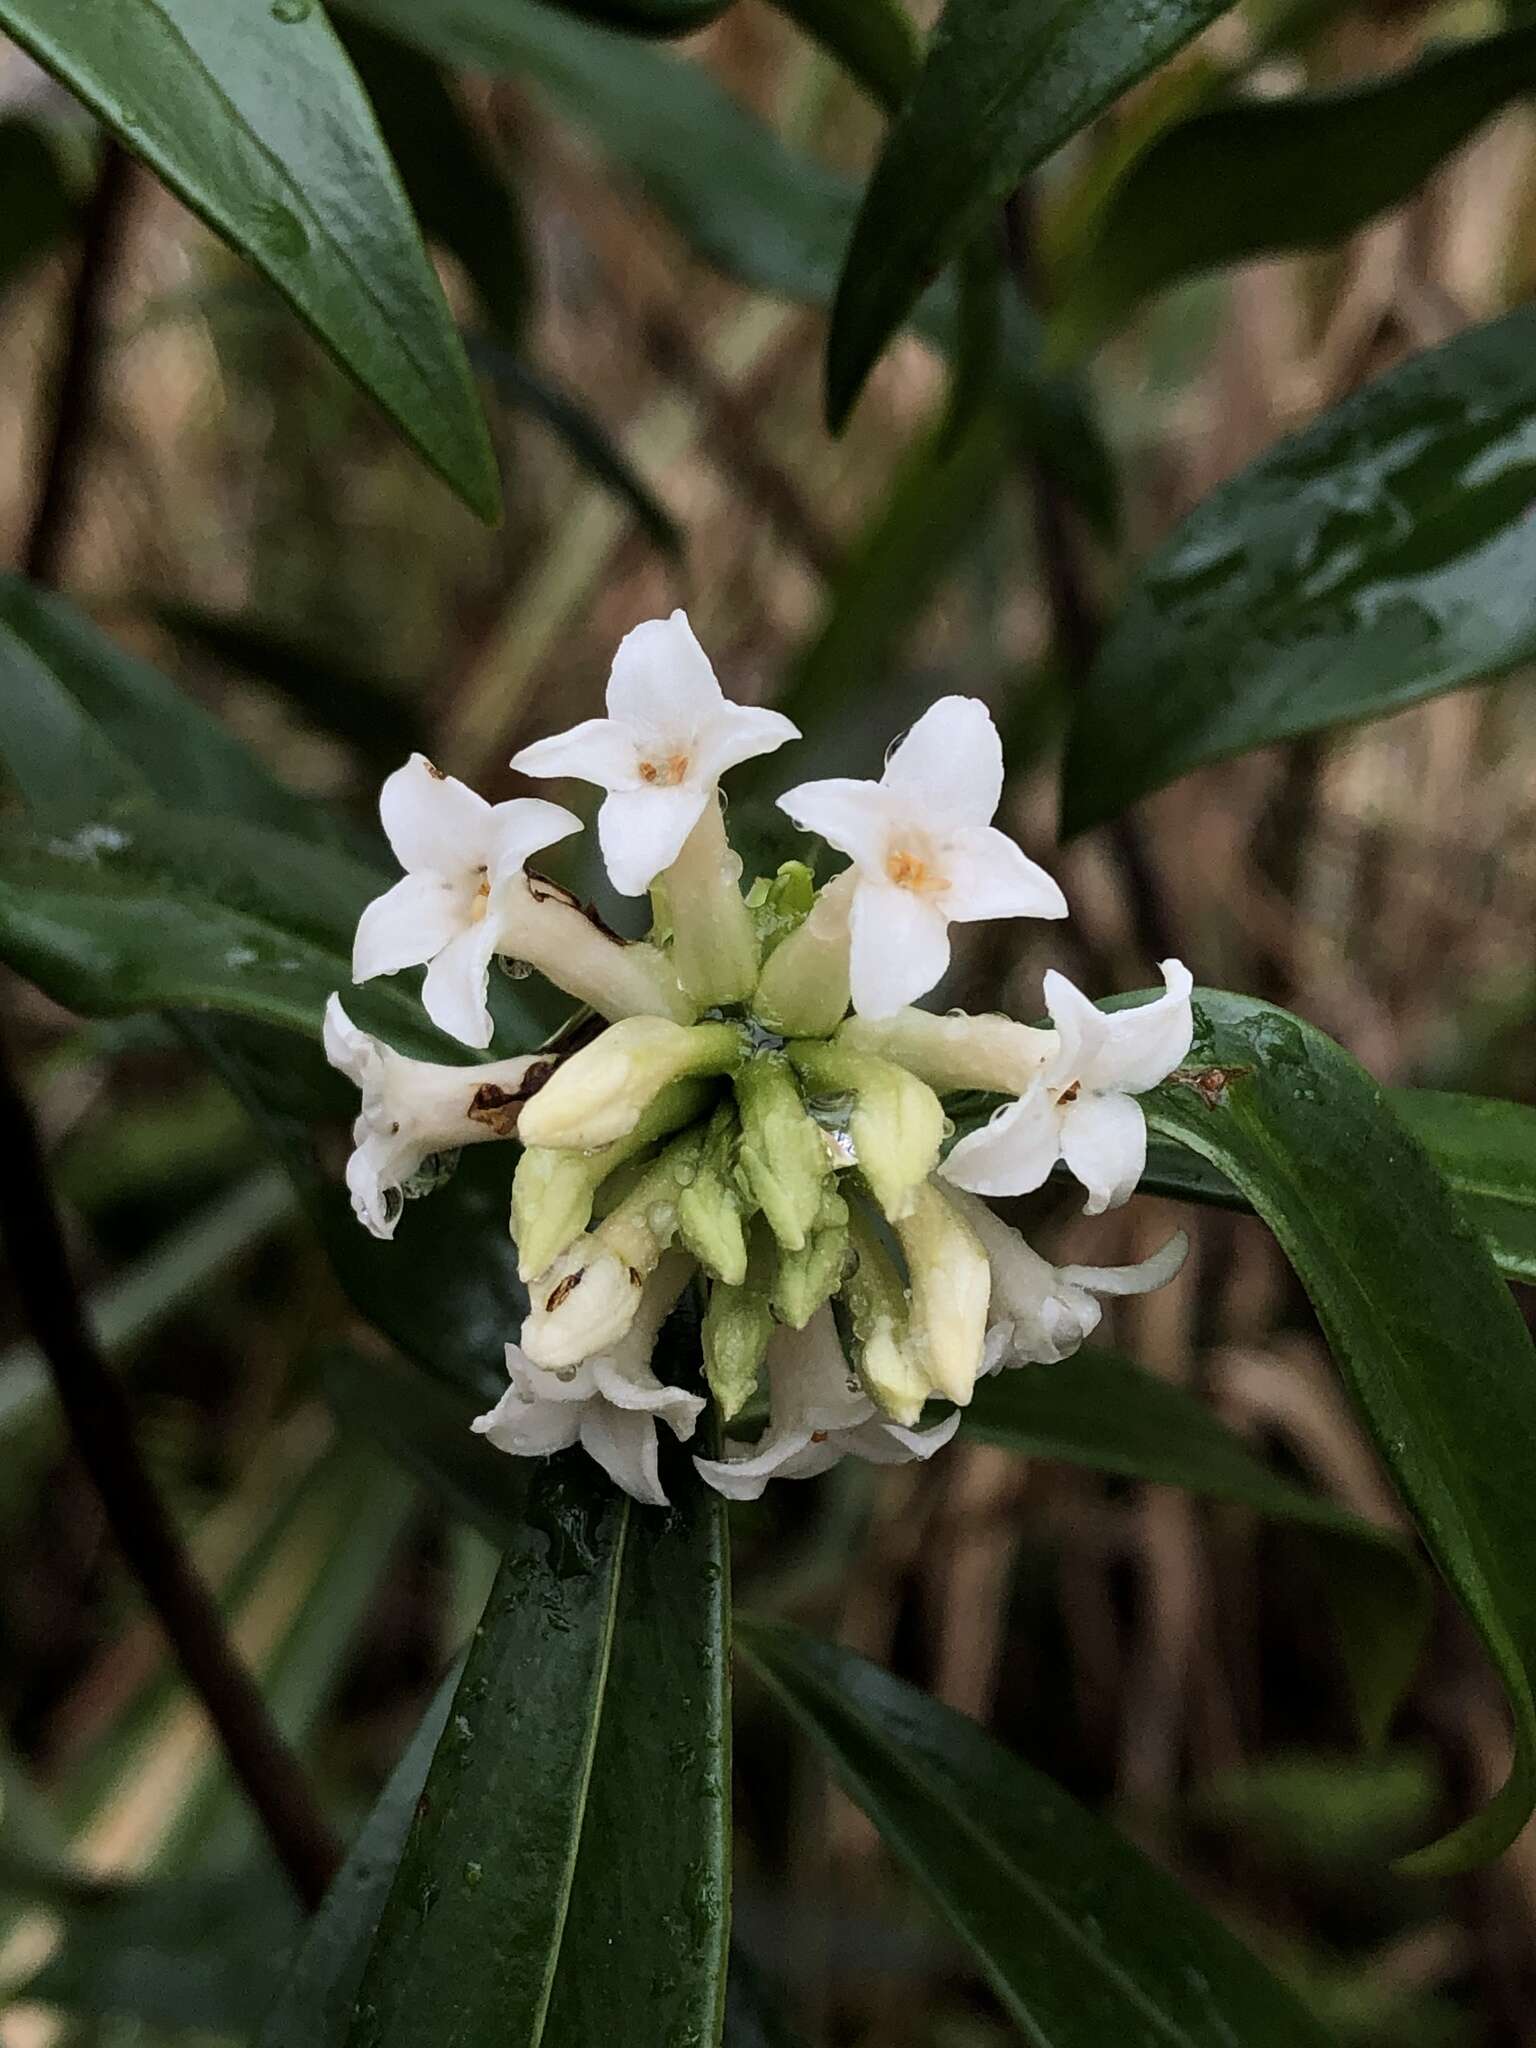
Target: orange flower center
<point x="665" y="774"/>
<point x="909" y="870"/>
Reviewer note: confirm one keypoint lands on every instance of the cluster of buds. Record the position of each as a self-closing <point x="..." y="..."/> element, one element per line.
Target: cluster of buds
<point x="763" y="1118"/>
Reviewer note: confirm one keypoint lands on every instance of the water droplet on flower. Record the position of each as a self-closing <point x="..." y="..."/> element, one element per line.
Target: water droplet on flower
<point x="514" y="970"/>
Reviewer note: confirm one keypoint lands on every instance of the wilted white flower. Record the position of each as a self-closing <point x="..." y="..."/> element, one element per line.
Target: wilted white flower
<point x="1082" y="1108"/>
<point x="609" y="1404"/>
<point x="925" y="853"/>
<point x="817" y="1415"/>
<point x="669" y="736"/>
<point x="456" y="850"/>
<point x="413" y="1109"/>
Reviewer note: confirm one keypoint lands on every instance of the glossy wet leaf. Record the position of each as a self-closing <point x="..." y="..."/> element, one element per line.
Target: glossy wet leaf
<point x="528" y="1907"/>
<point x="1005" y="83"/>
<point x="1378" y="557"/>
<point x="1265" y="175"/>
<point x="1486" y="1149"/>
<point x="875" y="41"/>
<point x="1083" y="1940"/>
<point x="1424" y="1332"/>
<point x="254" y="117"/>
<point x="1101" y="1411"/>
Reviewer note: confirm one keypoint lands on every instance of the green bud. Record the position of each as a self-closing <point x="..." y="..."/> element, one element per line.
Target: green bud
<point x="600" y="1094"/>
<point x="951" y="1288"/>
<point x="709" y="1217"/>
<point x="872" y="1315"/>
<point x="896" y="1122"/>
<point x="639" y="1230"/>
<point x="802" y="991"/>
<point x="737" y="1325"/>
<point x="807" y="1278"/>
<point x="714" y="946"/>
<point x="990" y="1052"/>
<point x="781" y="903"/>
<point x="783" y="1158"/>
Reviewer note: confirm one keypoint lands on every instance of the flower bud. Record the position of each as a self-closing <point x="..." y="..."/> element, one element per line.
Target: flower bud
<point x="714" y="946"/>
<point x="737" y="1325"/>
<point x="783" y="1157"/>
<point x="992" y="1053"/>
<point x="609" y="1085"/>
<point x="802" y="991"/>
<point x="951" y="1285"/>
<point x="896" y="1122"/>
<point x="807" y="1278"/>
<point x="709" y="1218"/>
<point x="872" y="1316"/>
<point x="538" y="921"/>
<point x="582" y="1304"/>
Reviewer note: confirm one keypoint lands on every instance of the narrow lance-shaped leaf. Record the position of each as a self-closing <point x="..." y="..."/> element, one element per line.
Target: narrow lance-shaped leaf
<point x="254" y="117"/>
<point x="1265" y="175"/>
<point x="1083" y="1940"/>
<point x="1378" y="557"/>
<point x="875" y="41"/>
<point x="565" y="1880"/>
<point x="1005" y="83"/>
<point x="1424" y="1332"/>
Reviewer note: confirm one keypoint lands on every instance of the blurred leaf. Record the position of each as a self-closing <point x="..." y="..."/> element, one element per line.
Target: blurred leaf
<point x="593" y="448"/>
<point x="1324" y="1811"/>
<point x="1485" y="1149"/>
<point x="772" y="219"/>
<point x="1004" y="84"/>
<point x="753" y="2014"/>
<point x="1083" y="1941"/>
<point x="566" y="1878"/>
<point x="201" y="1952"/>
<point x="370" y="712"/>
<point x="875" y="41"/>
<point x="253" y="116"/>
<point x="1424" y="1332"/>
<point x="1099" y="1410"/>
<point x="40" y="209"/>
<point x="315" y="2002"/>
<point x="1261" y="176"/>
<point x="649" y="17"/>
<point x="461" y="197"/>
<point x="1376" y="558"/>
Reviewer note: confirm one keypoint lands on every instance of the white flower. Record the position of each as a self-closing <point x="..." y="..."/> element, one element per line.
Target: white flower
<point x="413" y="1109"/>
<point x="456" y="850"/>
<point x="610" y="1404"/>
<point x="1082" y="1108"/>
<point x="925" y="852"/>
<point x="1040" y="1313"/>
<point x="818" y="1415"/>
<point x="669" y="736"/>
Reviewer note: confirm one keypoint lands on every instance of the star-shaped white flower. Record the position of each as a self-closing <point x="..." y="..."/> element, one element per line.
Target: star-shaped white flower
<point x="925" y="852"/>
<point x="412" y="1110"/>
<point x="610" y="1405"/>
<point x="1082" y="1108"/>
<point x="818" y="1415"/>
<point x="456" y="850"/>
<point x="669" y="736"/>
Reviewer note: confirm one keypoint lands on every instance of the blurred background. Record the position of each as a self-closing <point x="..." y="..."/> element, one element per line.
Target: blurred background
<point x="207" y="483"/>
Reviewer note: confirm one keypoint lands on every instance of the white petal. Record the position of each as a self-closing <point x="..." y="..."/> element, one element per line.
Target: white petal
<point x="641" y="832"/>
<point x="1013" y="1153"/>
<point x="899" y="949"/>
<point x="453" y="994"/>
<point x="528" y="1429"/>
<point x="371" y="1182"/>
<point x="351" y="1051"/>
<point x="435" y="823"/>
<point x="809" y="1381"/>
<point x="661" y="681"/>
<point x="856" y="817"/>
<point x="737" y="733"/>
<point x="1104" y="1142"/>
<point x="624" y="1444"/>
<point x="639" y="1391"/>
<point x="950" y="765"/>
<point x="598" y="750"/>
<point x="991" y="877"/>
<point x="886" y="1443"/>
<point x="1082" y="1025"/>
<point x="1141" y="1047"/>
<point x="408" y="924"/>
<point x="525" y="826"/>
<point x="1151" y="1273"/>
<point x="778" y="1454"/>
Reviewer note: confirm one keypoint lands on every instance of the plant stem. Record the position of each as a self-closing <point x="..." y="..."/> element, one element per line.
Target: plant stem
<point x="101" y="1426"/>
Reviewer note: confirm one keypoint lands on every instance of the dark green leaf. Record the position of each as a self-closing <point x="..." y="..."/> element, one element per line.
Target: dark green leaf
<point x="1266" y="175"/>
<point x="253" y="116"/>
<point x="1099" y="1410"/>
<point x="874" y="40"/>
<point x="1485" y="1149"/>
<point x="1083" y="1940"/>
<point x="40" y="209"/>
<point x="1424" y="1332"/>
<point x="566" y="1878"/>
<point x="1376" y="558"/>
<point x="1005" y="83"/>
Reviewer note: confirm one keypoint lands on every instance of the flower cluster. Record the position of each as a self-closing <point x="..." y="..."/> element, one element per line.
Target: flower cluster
<point x="763" y="1117"/>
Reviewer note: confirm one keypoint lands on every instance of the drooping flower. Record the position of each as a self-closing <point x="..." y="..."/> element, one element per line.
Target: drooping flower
<point x="610" y="1403"/>
<point x="669" y="736"/>
<point x="925" y="853"/>
<point x="817" y="1416"/>
<point x="413" y="1110"/>
<point x="1082" y="1107"/>
<point x="456" y="850"/>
